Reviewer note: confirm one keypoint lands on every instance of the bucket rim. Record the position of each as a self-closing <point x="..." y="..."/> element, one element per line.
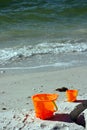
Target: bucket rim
<point x="72" y="90"/>
<point x="43" y="94"/>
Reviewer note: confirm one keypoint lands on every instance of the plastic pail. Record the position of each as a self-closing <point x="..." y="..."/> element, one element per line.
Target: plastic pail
<point x="44" y="105"/>
<point x="71" y="95"/>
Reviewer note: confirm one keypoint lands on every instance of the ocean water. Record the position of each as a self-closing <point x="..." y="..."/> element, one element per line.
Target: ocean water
<point x="43" y="33"/>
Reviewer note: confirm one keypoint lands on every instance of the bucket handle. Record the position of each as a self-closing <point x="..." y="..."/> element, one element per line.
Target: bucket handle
<point x="56" y="108"/>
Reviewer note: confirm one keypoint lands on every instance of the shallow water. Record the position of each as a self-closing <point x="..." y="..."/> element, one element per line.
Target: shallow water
<point x="42" y="33"/>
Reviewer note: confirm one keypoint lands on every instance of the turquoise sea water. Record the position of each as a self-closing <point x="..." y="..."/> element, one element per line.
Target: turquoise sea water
<point x="41" y="33"/>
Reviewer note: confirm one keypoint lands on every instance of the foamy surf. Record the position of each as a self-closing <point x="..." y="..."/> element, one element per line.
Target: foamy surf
<point x="9" y="55"/>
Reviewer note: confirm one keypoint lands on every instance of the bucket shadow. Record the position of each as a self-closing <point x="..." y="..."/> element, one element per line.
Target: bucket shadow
<point x="81" y="101"/>
<point x="66" y="117"/>
<point x="61" y="117"/>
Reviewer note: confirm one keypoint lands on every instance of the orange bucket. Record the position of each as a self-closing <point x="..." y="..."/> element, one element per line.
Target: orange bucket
<point x="71" y="95"/>
<point x="44" y="105"/>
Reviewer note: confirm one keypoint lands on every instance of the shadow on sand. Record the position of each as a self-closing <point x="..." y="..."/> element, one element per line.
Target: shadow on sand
<point x="74" y="116"/>
<point x="61" y="117"/>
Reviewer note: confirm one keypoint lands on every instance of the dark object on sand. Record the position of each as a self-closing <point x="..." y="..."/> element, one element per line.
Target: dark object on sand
<point x="78" y="110"/>
<point x="77" y="116"/>
<point x="63" y="89"/>
<point x="4" y="108"/>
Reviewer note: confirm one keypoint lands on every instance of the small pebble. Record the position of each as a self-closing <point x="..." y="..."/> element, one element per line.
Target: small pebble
<point x="3" y="92"/>
<point x="34" y="89"/>
<point x="29" y="97"/>
<point x="2" y="71"/>
<point x="41" y="85"/>
<point x="27" y="103"/>
<point x="42" y="125"/>
<point x="4" y="108"/>
<point x="40" y="91"/>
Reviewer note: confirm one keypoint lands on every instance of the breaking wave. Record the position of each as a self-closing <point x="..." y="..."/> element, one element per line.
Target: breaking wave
<point x="20" y="53"/>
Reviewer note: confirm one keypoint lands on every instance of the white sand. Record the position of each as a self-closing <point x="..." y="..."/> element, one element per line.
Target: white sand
<point x="16" y="107"/>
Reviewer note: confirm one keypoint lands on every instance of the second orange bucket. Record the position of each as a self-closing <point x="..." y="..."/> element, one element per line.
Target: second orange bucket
<point x="44" y="105"/>
<point x="71" y="95"/>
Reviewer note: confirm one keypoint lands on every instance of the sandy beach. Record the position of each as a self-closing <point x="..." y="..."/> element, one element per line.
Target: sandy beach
<point x="16" y="106"/>
<point x="43" y="50"/>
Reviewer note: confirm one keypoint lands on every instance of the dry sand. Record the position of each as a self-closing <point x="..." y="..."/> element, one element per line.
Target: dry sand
<point x="16" y="107"/>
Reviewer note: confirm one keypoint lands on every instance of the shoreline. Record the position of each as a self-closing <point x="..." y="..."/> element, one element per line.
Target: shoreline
<point x="36" y="69"/>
